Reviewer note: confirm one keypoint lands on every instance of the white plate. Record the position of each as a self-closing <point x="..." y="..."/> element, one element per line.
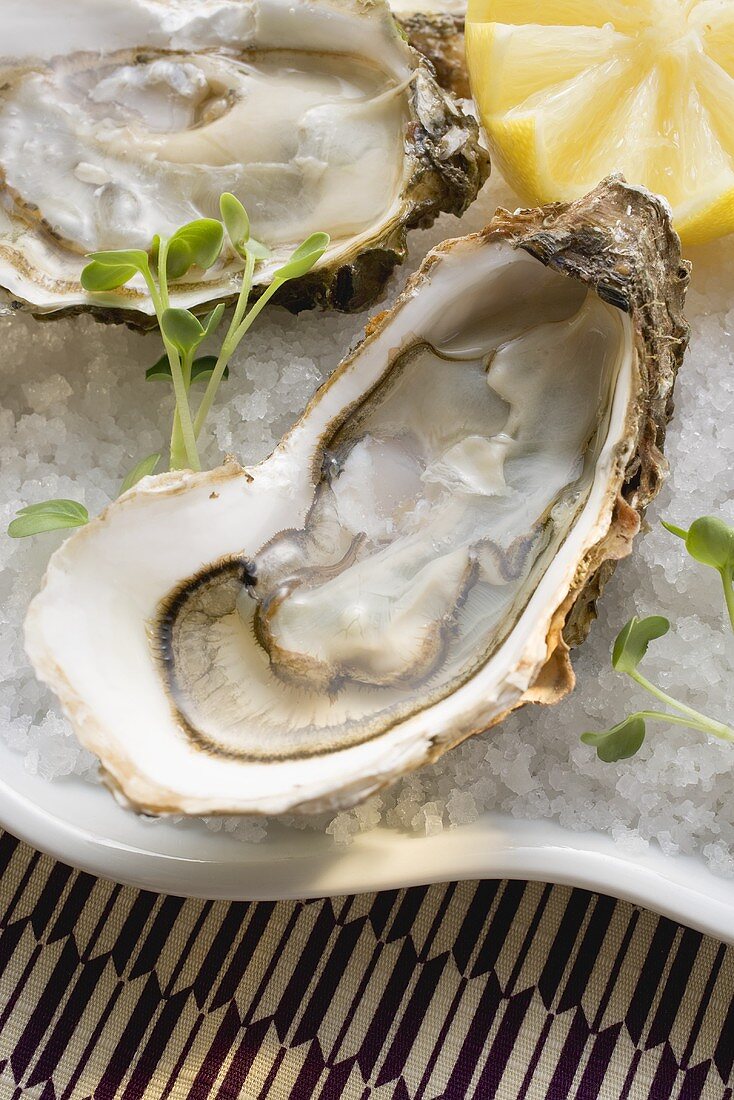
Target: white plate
<point x="82" y="825"/>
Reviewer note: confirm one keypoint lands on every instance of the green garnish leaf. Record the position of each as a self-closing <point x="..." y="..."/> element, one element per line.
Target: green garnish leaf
<point x="185" y="331"/>
<point x="182" y="329"/>
<point x="211" y="322"/>
<point x="235" y="220"/>
<point x="49" y="515"/>
<point x="257" y="250"/>
<point x="305" y="256"/>
<point x="201" y="369"/>
<point x="133" y="257"/>
<point x="711" y="541"/>
<point x="620" y="742"/>
<point x="99" y="277"/>
<point x="146" y="466"/>
<point x="196" y="243"/>
<point x="160" y="371"/>
<point x="112" y="269"/>
<point x="631" y="643"/>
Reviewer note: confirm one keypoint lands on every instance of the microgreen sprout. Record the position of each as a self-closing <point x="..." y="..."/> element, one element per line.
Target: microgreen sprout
<point x="198" y="244"/>
<point x="710" y="540"/>
<point x="146" y="466"/>
<point x="49" y="515"/>
<point x="624" y="739"/>
<point x="237" y="224"/>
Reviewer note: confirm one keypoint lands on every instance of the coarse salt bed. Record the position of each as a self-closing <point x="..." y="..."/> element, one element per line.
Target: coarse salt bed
<point x="76" y="413"/>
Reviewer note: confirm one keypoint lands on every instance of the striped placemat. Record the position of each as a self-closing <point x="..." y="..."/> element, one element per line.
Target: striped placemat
<point x="476" y="990"/>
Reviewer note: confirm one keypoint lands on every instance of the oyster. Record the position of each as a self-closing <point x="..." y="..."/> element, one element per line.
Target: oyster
<point x="436" y="29"/>
<point x="416" y="556"/>
<point x="318" y="116"/>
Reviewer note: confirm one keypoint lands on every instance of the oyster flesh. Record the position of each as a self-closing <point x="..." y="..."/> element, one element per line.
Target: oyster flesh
<point x="122" y="124"/>
<point x="415" y="557"/>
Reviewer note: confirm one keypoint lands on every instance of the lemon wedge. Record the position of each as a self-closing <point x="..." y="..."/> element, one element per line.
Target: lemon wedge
<point x="571" y="90"/>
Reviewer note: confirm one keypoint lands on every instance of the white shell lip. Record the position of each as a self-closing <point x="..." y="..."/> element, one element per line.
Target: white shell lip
<point x="509" y="678"/>
<point x="42" y="274"/>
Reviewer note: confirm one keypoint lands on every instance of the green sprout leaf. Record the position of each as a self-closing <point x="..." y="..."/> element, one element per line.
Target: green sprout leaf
<point x="257" y="250"/>
<point x="185" y="331"/>
<point x="100" y="277"/>
<point x="303" y="259"/>
<point x="134" y="257"/>
<point x="620" y="742"/>
<point x="631" y="643"/>
<point x="624" y="739"/>
<point x="146" y="466"/>
<point x="49" y="515"/>
<point x="711" y="541"/>
<point x="237" y="224"/>
<point x="201" y="369"/>
<point x="182" y="329"/>
<point x="160" y="371"/>
<point x="235" y="220"/>
<point x="196" y="243"/>
<point x="211" y="322"/>
<point x="112" y="269"/>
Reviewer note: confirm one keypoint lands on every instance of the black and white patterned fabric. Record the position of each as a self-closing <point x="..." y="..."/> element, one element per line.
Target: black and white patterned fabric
<point x="472" y="990"/>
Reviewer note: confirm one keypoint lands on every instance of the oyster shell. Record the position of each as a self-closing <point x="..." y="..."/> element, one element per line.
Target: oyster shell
<point x="318" y="116"/>
<point x="417" y="555"/>
<point x="437" y="31"/>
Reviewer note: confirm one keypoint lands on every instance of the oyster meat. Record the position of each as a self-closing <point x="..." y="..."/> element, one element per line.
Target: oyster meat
<point x="318" y="116"/>
<point x="415" y="557"/>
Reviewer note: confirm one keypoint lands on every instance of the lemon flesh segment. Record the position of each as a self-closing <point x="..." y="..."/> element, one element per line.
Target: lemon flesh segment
<point x="571" y="90"/>
<point x="624" y="15"/>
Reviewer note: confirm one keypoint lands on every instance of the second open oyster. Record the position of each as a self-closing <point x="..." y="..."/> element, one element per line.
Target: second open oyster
<point x="120" y="124"/>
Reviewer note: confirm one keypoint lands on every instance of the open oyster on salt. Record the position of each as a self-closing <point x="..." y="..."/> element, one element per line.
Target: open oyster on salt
<point x="415" y="557"/>
<point x="125" y="119"/>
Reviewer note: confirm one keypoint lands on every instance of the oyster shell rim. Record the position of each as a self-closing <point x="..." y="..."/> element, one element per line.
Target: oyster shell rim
<point x="439" y="36"/>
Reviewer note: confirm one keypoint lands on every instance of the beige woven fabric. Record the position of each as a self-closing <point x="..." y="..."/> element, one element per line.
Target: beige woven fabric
<point x="474" y="990"/>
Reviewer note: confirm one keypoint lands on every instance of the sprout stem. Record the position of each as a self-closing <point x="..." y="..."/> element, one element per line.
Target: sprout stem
<point x="183" y="440"/>
<point x="695" y="718"/>
<point x="665" y="716"/>
<point x="256" y="309"/>
<point x="728" y="582"/>
<point x="235" y="332"/>
<point x="244" y="295"/>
